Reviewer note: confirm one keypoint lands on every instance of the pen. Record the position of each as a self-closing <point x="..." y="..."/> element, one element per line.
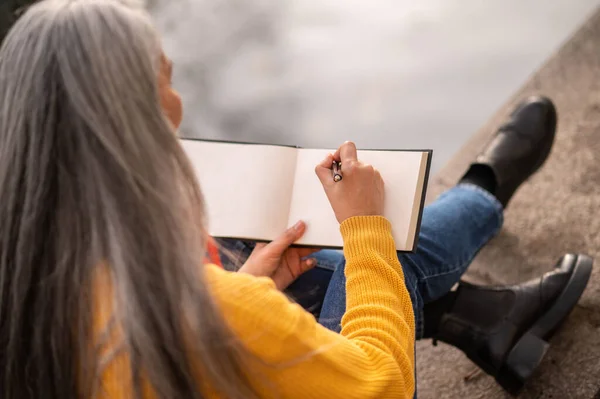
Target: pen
<point x="337" y="171"/>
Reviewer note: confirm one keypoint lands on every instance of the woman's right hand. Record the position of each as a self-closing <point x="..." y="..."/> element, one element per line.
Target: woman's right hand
<point x="359" y="193"/>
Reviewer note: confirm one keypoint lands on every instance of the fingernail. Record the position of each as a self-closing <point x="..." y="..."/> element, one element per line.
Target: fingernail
<point x="311" y="262"/>
<point x="298" y="226"/>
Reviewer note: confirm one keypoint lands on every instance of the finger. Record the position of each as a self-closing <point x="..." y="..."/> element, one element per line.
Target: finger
<point x="327" y="162"/>
<point x="336" y="154"/>
<point x="259" y="245"/>
<point x="304" y="252"/>
<point x="308" y="264"/>
<point x="348" y="152"/>
<point x="281" y="243"/>
<point x="284" y="276"/>
<point x="257" y="249"/>
<point x="378" y="176"/>
<point x="323" y="169"/>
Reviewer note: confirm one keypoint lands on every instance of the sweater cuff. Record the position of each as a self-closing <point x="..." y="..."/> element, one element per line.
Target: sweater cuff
<point x="364" y="234"/>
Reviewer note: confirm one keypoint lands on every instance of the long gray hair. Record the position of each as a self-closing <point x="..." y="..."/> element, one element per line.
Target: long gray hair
<point x="92" y="177"/>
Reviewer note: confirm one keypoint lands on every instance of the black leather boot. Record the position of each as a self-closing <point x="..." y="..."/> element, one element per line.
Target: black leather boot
<point x="520" y="147"/>
<point x="504" y="330"/>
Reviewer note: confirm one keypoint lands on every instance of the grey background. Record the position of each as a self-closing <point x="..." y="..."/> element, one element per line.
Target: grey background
<point x="384" y="73"/>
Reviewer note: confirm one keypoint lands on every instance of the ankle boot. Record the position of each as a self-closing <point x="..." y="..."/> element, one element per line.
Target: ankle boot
<point x="504" y="330"/>
<point x="520" y="147"/>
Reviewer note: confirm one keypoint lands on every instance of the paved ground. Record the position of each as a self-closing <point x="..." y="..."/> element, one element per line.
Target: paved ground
<point x="555" y="213"/>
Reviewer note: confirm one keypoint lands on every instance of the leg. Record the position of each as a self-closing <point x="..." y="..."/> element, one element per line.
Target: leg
<point x="453" y="230"/>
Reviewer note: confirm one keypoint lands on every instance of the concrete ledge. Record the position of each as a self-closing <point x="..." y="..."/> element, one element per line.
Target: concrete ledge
<point x="556" y="212"/>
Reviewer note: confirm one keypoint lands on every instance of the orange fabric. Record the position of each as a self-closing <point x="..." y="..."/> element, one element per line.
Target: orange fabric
<point x="213" y="252"/>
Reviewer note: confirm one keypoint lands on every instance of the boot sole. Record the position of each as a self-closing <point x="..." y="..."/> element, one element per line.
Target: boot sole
<point x="527" y="354"/>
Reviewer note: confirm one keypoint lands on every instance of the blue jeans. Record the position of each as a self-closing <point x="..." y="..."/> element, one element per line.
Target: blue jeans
<point x="453" y="229"/>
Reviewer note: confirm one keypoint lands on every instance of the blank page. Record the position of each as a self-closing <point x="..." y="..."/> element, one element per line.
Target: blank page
<point x="247" y="187"/>
<point x="403" y="173"/>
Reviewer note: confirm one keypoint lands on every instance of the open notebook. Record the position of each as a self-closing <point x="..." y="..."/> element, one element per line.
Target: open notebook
<point x="256" y="191"/>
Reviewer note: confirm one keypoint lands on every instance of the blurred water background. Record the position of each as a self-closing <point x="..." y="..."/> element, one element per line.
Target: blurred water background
<point x="384" y="73"/>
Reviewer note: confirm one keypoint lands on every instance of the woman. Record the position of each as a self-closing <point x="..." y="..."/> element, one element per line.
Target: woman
<point x="103" y="235"/>
<point x="103" y="291"/>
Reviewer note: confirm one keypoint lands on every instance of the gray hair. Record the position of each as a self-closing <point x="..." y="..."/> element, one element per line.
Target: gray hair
<point x="92" y="178"/>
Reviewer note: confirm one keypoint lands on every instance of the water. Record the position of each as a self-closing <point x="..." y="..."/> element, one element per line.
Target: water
<point x="384" y="73"/>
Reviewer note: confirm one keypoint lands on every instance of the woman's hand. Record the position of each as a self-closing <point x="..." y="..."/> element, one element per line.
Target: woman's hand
<point x="278" y="261"/>
<point x="359" y="193"/>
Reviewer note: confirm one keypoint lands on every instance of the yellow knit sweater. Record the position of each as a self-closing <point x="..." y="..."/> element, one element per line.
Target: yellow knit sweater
<point x="373" y="357"/>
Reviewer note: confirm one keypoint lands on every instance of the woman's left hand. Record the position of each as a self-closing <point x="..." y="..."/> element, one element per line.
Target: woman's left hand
<point x="278" y="261"/>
